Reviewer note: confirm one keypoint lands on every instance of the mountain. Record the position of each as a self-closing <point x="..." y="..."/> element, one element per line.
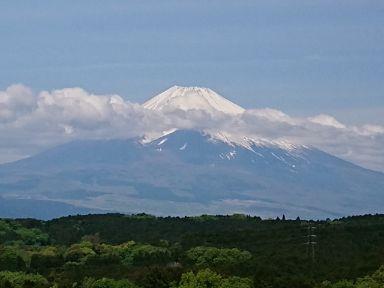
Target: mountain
<point x="188" y="98"/>
<point x="39" y="209"/>
<point x="188" y="172"/>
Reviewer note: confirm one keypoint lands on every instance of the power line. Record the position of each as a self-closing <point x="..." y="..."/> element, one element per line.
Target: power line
<point x="311" y="242"/>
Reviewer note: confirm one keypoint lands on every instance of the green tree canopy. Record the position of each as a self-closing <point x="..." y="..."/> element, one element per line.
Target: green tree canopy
<point x="79" y="252"/>
<point x="141" y="254"/>
<point x="22" y="280"/>
<point x="107" y="283"/>
<point x="10" y="259"/>
<point x="218" y="257"/>
<point x="12" y="231"/>
<point x="209" y="279"/>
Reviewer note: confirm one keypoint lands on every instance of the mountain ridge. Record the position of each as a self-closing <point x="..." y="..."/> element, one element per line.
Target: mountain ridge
<point x="191" y="172"/>
<point x="186" y="173"/>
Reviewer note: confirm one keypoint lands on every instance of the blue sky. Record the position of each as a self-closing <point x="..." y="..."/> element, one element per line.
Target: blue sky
<point x="302" y="57"/>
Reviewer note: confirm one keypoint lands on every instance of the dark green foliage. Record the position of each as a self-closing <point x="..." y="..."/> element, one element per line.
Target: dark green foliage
<point x="159" y="276"/>
<point x="144" y="251"/>
<point x="13" y="231"/>
<point x="22" y="280"/>
<point x="46" y="258"/>
<point x="351" y="245"/>
<point x="79" y="252"/>
<point x="208" y="279"/>
<point x="219" y="258"/>
<point x="107" y="283"/>
<point x="143" y="254"/>
<point x="10" y="259"/>
<point x="376" y="280"/>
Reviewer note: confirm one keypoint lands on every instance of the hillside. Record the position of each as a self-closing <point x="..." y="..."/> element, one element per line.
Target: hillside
<point x="189" y="173"/>
<point x="188" y="170"/>
<point x="270" y="253"/>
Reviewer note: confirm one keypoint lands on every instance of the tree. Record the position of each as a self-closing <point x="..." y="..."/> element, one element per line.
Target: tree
<point x="107" y="283"/>
<point x="143" y="254"/>
<point x="79" y="252"/>
<point x="209" y="279"/>
<point x="22" y="280"/>
<point x="12" y="231"/>
<point x="343" y="284"/>
<point x="46" y="258"/>
<point x="159" y="276"/>
<point x="212" y="257"/>
<point x="11" y="260"/>
<point x="32" y="236"/>
<point x="376" y="280"/>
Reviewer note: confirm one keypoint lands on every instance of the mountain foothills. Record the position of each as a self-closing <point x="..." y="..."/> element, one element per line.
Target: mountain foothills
<point x="191" y="172"/>
<point x="238" y="251"/>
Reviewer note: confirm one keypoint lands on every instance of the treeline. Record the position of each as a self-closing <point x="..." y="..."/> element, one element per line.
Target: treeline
<point x="113" y="250"/>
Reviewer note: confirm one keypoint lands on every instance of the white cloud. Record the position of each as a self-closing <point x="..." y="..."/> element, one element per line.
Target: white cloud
<point x="31" y="122"/>
<point x="272" y="115"/>
<point x="326" y="120"/>
<point x="15" y="101"/>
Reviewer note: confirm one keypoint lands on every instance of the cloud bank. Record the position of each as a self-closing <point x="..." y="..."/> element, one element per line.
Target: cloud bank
<point x="31" y="122"/>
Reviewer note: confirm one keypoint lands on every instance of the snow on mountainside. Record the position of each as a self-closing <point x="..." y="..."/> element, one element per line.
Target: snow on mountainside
<point x="190" y="98"/>
<point x="221" y="147"/>
<point x="188" y="172"/>
<point x="248" y="142"/>
<point x="198" y="98"/>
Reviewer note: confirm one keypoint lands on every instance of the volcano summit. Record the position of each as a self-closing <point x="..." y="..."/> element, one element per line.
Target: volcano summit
<point x="192" y="98"/>
<point x="189" y="172"/>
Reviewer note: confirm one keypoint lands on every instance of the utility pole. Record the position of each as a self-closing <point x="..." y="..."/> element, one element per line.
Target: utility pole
<point x="311" y="242"/>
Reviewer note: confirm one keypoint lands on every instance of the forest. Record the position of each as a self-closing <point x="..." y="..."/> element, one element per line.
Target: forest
<point x="143" y="251"/>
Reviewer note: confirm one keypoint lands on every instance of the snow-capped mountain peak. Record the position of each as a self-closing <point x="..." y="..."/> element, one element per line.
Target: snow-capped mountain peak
<point x="199" y="98"/>
<point x="192" y="98"/>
